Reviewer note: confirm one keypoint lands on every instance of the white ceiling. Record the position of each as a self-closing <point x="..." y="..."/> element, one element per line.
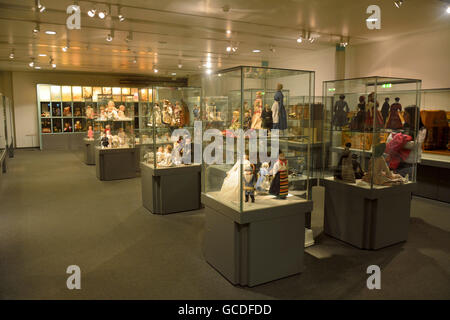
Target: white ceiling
<point x="191" y="32"/>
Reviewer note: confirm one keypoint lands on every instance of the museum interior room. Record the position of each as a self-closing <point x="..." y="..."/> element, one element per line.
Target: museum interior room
<point x="224" y="149"/>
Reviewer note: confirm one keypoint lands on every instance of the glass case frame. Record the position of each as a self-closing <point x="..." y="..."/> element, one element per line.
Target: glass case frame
<point x="370" y="133"/>
<point x="240" y="84"/>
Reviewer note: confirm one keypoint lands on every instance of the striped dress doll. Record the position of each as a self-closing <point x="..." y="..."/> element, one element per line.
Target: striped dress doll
<point x="280" y="183"/>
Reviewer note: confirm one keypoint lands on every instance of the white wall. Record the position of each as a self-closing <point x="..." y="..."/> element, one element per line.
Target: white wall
<point x="422" y="56"/>
<point x="25" y="99"/>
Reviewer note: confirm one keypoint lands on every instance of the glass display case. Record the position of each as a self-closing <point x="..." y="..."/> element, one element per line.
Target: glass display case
<point x="3" y="142"/>
<point x="373" y="138"/>
<point x="372" y="131"/>
<point x="250" y="107"/>
<point x="172" y="112"/>
<point x="114" y="123"/>
<point x="256" y="173"/>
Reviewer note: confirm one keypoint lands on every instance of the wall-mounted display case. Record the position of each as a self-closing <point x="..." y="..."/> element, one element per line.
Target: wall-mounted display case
<point x="66" y="112"/>
<point x="166" y="149"/>
<point x="264" y="196"/>
<point x="370" y="154"/>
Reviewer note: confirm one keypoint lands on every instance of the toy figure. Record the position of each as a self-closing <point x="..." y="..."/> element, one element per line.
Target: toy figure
<point x="344" y="170"/>
<point x="77" y="126"/>
<point x="122" y="136"/>
<point x="340" y="112"/>
<point x="235" y="120"/>
<point x="167" y="113"/>
<point x="280" y="183"/>
<point x="111" y="111"/>
<point x="372" y="111"/>
<point x="160" y="155"/>
<point x="121" y="112"/>
<point x="108" y="130"/>
<point x="178" y="149"/>
<point x="102" y="113"/>
<point x="249" y="181"/>
<point x="393" y="121"/>
<point x="263" y="183"/>
<point x="358" y="121"/>
<point x="247" y="121"/>
<point x="104" y="140"/>
<point x="90" y="133"/>
<point x="230" y="186"/>
<point x="89" y="112"/>
<point x="280" y="116"/>
<point x="196" y="112"/>
<point x="67" y="127"/>
<point x="257" y="110"/>
<point x="67" y="112"/>
<point x="266" y="116"/>
<point x="385" y="109"/>
<point x="359" y="173"/>
<point x="167" y="157"/>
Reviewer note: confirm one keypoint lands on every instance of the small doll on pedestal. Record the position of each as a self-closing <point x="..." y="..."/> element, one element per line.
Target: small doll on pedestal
<point x="280" y="183"/>
<point x="263" y="182"/>
<point x="249" y="181"/>
<point x="90" y="133"/>
<point x="266" y="116"/>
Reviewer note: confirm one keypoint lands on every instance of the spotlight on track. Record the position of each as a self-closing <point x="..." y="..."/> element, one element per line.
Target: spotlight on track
<point x="398" y="3"/>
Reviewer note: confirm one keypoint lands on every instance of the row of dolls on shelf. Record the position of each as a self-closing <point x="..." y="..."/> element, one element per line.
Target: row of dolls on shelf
<point x="109" y="141"/>
<point x="274" y="181"/>
<point x="163" y="138"/>
<point x="169" y="156"/>
<point x="111" y="113"/>
<point x="390" y="116"/>
<point x="383" y="171"/>
<point x="171" y="115"/>
<point x="67" y="112"/>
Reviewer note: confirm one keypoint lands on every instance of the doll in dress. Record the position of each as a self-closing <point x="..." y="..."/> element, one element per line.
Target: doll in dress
<point x="108" y="130"/>
<point x="235" y="120"/>
<point x="230" y="186"/>
<point x="372" y="111"/>
<point x="104" y="141"/>
<point x="393" y="121"/>
<point x="280" y="183"/>
<point x="122" y="137"/>
<point x="111" y="111"/>
<point x="196" y="113"/>
<point x="178" y="148"/>
<point x="121" y="112"/>
<point x="247" y="121"/>
<point x="267" y="121"/>
<point x="263" y="182"/>
<point x="168" y="159"/>
<point x="102" y="113"/>
<point x="167" y="113"/>
<point x="257" y="110"/>
<point x="340" y="112"/>
<point x="90" y="133"/>
<point x="160" y="155"/>
<point x="344" y="170"/>
<point x="360" y="118"/>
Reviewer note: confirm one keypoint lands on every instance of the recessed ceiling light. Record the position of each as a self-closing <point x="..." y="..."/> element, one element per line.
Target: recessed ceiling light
<point x="42" y="55"/>
<point x="180" y="66"/>
<point x="228" y="31"/>
<point x="208" y="71"/>
<point x="53" y="65"/>
<point x="11" y="55"/>
<point x="50" y="32"/>
<point x="256" y="50"/>
<point x="110" y="36"/>
<point x="229" y="49"/>
<point x="37" y="67"/>
<point x="174" y="73"/>
<point x="300" y="39"/>
<point x="155" y="70"/>
<point x="92" y="12"/>
<point x="64" y="49"/>
<point x="448" y="9"/>
<point x="39" y="6"/>
<point x="31" y="64"/>
<point x="36" y="28"/>
<point x="120" y="15"/>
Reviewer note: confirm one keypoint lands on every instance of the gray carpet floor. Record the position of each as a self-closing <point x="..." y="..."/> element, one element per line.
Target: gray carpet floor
<point x="55" y="213"/>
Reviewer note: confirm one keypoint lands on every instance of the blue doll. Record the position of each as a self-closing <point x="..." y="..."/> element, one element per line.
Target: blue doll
<point x="263" y="182"/>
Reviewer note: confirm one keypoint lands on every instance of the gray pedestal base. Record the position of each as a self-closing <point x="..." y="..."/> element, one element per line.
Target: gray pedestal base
<point x="256" y="246"/>
<point x="89" y="151"/>
<point x="365" y="218"/>
<point x="114" y="164"/>
<point x="170" y="190"/>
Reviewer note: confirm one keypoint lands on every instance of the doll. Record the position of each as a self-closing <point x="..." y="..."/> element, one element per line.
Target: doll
<point x="280" y="183"/>
<point x="178" y="118"/>
<point x="186" y="119"/>
<point x="90" y="133"/>
<point x="111" y="111"/>
<point x="104" y="140"/>
<point x="235" y="120"/>
<point x="381" y="174"/>
<point x="167" y="113"/>
<point x="67" y="127"/>
<point x="167" y="157"/>
<point x="359" y="173"/>
<point x="263" y="183"/>
<point x="249" y="181"/>
<point x="257" y="110"/>
<point x="67" y="112"/>
<point x="344" y="170"/>
<point x="266" y="115"/>
<point x="393" y="121"/>
<point x="121" y="112"/>
<point x="372" y="111"/>
<point x="160" y="155"/>
<point x="122" y="136"/>
<point x="218" y="116"/>
<point x="196" y="112"/>
<point x="77" y="126"/>
<point x="230" y="187"/>
<point x="89" y="112"/>
<point x="340" y="112"/>
<point x="359" y="120"/>
<point x="247" y="121"/>
<point x="178" y="148"/>
<point x="102" y="113"/>
<point x="108" y="130"/>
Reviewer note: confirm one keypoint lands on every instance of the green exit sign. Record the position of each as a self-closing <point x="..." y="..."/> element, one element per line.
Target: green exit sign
<point x="332" y="89"/>
<point x="387" y="85"/>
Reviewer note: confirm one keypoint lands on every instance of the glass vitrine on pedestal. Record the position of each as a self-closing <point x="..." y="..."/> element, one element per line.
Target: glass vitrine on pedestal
<point x="115" y="152"/>
<point x="170" y="177"/>
<point x="256" y="174"/>
<point x="372" y="142"/>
